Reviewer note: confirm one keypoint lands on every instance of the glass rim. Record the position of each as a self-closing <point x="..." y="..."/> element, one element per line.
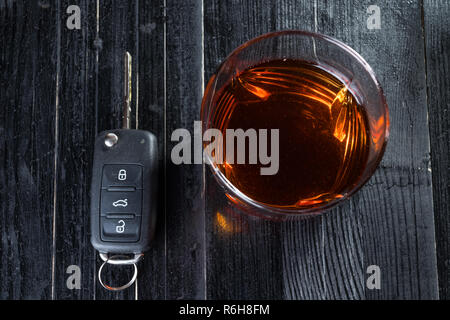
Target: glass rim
<point x="274" y="210"/>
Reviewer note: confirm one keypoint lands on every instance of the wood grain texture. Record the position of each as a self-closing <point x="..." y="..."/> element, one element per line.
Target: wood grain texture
<point x="325" y="250"/>
<point x="69" y="82"/>
<point x="76" y="133"/>
<point x="184" y="206"/>
<point x="404" y="217"/>
<point x="149" y="28"/>
<point x="437" y="43"/>
<point x="27" y="142"/>
<point x="243" y="254"/>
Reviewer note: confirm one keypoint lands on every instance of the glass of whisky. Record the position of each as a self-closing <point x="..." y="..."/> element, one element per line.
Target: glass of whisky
<point x="309" y="101"/>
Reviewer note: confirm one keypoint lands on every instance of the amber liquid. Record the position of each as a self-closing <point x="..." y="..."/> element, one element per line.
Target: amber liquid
<point x="323" y="133"/>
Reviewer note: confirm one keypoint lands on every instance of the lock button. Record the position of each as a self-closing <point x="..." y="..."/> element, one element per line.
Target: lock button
<point x="120" y="228"/>
<point x="122" y="175"/>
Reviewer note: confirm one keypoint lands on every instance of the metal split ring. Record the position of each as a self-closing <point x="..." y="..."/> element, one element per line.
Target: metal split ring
<point x="119" y="260"/>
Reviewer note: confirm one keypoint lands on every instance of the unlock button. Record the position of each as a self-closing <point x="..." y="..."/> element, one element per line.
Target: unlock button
<point x="120" y="228"/>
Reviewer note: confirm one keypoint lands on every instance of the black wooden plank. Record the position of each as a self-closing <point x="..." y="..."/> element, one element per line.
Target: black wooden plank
<point x="184" y="210"/>
<point x="437" y="45"/>
<point x="400" y="212"/>
<point x="151" y="96"/>
<point x="398" y="233"/>
<point x="27" y="142"/>
<point x="390" y="221"/>
<point x="117" y="34"/>
<point x="322" y="256"/>
<point x="361" y="233"/>
<point x="76" y="133"/>
<point x="243" y="255"/>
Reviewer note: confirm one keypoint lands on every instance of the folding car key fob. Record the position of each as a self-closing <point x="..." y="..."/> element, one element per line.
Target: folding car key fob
<point x="123" y="191"/>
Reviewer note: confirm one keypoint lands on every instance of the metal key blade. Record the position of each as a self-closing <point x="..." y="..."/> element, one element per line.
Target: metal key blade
<point x="127" y="91"/>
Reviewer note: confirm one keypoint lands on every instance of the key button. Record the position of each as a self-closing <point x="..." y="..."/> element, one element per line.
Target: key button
<point x="125" y="175"/>
<point x="121" y="229"/>
<point x="121" y="202"/>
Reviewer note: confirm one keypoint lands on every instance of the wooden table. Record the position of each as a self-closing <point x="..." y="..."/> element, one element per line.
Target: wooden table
<point x="60" y="87"/>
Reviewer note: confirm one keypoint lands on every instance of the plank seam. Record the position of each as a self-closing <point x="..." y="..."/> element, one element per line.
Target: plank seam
<point x="56" y="132"/>
<point x="165" y="145"/>
<point x="427" y="99"/>
<point x="97" y="31"/>
<point x="203" y="165"/>
<point x="136" y="97"/>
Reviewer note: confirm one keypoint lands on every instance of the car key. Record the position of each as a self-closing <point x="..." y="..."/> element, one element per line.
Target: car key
<point x="123" y="190"/>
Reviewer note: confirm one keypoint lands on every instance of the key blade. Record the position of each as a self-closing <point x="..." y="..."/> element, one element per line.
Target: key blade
<point x="127" y="91"/>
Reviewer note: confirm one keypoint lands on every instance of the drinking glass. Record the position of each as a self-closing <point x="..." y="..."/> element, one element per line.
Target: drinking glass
<point x="330" y="55"/>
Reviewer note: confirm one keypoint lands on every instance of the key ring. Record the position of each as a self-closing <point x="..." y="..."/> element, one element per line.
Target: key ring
<point x="135" y="259"/>
<point x="116" y="260"/>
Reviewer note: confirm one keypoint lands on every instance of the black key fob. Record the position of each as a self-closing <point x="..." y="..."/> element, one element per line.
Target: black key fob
<point x="124" y="191"/>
